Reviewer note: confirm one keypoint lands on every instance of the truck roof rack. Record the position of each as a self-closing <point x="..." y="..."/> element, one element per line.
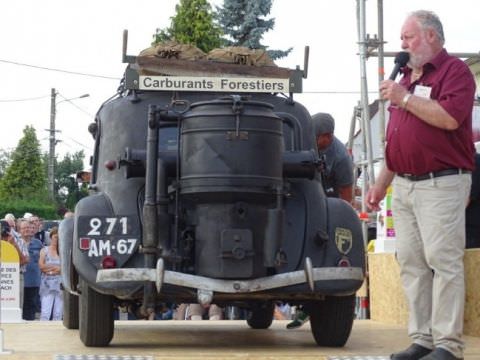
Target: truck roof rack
<point x="155" y="73"/>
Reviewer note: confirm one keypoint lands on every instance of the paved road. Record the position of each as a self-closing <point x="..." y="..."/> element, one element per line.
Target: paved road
<point x="206" y="340"/>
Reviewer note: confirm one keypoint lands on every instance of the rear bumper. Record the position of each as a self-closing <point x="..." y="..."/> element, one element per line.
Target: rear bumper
<point x="207" y="286"/>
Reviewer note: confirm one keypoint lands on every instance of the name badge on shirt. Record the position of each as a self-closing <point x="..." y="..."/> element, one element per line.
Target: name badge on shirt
<point x="422" y="91"/>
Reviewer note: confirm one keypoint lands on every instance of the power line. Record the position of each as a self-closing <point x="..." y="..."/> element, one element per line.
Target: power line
<point x="337" y="92"/>
<point x="25" y="99"/>
<point x="115" y="78"/>
<point x="78" y="107"/>
<point x="59" y="70"/>
<point x="76" y="142"/>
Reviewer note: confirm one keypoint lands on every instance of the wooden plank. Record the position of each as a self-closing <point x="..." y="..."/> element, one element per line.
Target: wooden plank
<point x="387" y="298"/>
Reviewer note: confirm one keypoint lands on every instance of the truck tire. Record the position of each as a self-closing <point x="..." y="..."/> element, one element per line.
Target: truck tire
<point x="260" y="316"/>
<point x="70" y="310"/>
<point x="96" y="317"/>
<point x="331" y="320"/>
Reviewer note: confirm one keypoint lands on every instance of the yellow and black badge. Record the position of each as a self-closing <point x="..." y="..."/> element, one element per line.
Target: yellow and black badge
<point x="343" y="240"/>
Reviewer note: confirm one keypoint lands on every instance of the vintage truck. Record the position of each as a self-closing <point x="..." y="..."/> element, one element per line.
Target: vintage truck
<point x="206" y="188"/>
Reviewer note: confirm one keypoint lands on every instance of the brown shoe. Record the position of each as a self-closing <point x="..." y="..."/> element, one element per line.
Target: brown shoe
<point x="440" y="354"/>
<point x="413" y="352"/>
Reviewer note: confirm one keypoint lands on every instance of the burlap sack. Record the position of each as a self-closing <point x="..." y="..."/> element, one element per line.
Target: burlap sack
<point x="241" y="55"/>
<point x="174" y="50"/>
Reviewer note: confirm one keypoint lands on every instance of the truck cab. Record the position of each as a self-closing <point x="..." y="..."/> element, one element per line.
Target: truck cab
<point x="206" y="188"/>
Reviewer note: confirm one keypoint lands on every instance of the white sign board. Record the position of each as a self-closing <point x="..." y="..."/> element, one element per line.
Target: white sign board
<point x="9" y="284"/>
<point x="214" y="84"/>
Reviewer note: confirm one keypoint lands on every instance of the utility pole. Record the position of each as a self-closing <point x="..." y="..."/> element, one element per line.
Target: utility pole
<point x="51" y="153"/>
<point x="53" y="140"/>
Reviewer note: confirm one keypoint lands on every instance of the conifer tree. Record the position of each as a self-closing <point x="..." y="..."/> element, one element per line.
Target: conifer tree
<point x="193" y="24"/>
<point x="245" y="22"/>
<point x="25" y="177"/>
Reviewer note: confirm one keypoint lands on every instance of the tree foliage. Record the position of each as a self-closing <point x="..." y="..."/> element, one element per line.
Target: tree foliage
<point x="245" y="22"/>
<point x="67" y="188"/>
<point x="193" y="24"/>
<point x="25" y="177"/>
<point x="5" y="157"/>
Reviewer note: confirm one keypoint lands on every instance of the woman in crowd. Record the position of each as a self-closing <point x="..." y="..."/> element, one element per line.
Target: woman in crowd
<point x="50" y="291"/>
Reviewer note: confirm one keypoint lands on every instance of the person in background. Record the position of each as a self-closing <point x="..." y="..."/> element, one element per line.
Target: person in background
<point x="197" y="311"/>
<point x="50" y="292"/>
<point x="10" y="218"/>
<point x="22" y="250"/>
<point x="338" y="172"/>
<point x="40" y="233"/>
<point x="337" y="177"/>
<point x="472" y="214"/>
<point x="68" y="214"/>
<point x="32" y="271"/>
<point x="429" y="158"/>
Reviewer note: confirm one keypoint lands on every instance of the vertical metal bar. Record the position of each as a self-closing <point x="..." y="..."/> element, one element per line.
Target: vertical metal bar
<point x="381" y="76"/>
<point x="52" y="143"/>
<point x="364" y="89"/>
<point x="150" y="225"/>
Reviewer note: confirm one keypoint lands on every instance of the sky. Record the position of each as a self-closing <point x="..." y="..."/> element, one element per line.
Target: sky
<point x="84" y="40"/>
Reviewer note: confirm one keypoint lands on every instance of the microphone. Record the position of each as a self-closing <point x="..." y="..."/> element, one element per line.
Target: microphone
<point x="401" y="59"/>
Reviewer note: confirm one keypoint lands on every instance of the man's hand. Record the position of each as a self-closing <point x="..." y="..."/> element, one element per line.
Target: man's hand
<point x="390" y="90"/>
<point x="374" y="195"/>
<point x="378" y="191"/>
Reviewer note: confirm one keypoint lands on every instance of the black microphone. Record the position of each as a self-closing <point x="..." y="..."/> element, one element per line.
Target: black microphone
<point x="401" y="59"/>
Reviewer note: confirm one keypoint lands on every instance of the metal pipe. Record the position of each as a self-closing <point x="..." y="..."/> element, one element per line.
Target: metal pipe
<point x="295" y="126"/>
<point x="364" y="89"/>
<point x="381" y="76"/>
<point x="274" y="231"/>
<point x="150" y="226"/>
<point x="464" y="55"/>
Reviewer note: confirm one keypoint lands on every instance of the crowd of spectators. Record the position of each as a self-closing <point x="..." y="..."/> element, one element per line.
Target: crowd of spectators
<point x="30" y="239"/>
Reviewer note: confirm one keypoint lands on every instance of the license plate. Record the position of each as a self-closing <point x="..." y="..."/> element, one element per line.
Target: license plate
<point x="100" y="236"/>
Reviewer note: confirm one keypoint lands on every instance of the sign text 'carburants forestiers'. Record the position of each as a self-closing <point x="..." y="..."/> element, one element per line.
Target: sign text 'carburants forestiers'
<point x="237" y="84"/>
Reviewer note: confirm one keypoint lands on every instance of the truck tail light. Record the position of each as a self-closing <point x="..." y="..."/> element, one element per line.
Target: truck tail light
<point x="344" y="262"/>
<point x="109" y="262"/>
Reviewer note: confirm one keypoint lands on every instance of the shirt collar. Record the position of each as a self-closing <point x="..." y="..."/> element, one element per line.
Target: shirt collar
<point x="437" y="59"/>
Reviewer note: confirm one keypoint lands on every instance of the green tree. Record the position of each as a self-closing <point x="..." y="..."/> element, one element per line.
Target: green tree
<point x="67" y="192"/>
<point x="5" y="157"/>
<point x="25" y="177"/>
<point x="193" y="24"/>
<point x="244" y="22"/>
<point x="65" y="179"/>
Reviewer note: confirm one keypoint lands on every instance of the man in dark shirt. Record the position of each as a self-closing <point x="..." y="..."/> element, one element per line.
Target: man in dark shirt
<point x="338" y="171"/>
<point x="472" y="215"/>
<point x="429" y="158"/>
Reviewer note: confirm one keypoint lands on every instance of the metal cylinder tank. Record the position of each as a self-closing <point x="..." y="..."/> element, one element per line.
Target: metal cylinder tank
<point x="231" y="145"/>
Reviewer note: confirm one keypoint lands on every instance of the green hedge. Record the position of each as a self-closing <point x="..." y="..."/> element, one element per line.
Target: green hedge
<point x="20" y="207"/>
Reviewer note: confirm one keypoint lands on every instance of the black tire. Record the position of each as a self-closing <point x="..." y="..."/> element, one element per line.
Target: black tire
<point x="96" y="317"/>
<point x="260" y="316"/>
<point x="70" y="310"/>
<point x="331" y="320"/>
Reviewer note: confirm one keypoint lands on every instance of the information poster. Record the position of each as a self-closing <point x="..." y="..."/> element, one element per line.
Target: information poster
<point x="9" y="283"/>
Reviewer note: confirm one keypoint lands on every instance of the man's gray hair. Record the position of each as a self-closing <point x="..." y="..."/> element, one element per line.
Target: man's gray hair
<point x="430" y="20"/>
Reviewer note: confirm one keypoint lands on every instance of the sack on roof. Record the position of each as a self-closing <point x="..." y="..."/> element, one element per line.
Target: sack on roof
<point x="174" y="50"/>
<point x="241" y="55"/>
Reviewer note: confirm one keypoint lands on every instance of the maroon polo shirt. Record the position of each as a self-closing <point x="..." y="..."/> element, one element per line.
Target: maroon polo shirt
<point x="417" y="148"/>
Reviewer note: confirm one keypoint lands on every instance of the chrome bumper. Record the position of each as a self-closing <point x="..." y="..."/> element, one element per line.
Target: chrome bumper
<point x="206" y="286"/>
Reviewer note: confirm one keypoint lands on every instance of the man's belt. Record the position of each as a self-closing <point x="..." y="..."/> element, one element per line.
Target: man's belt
<point x="433" y="174"/>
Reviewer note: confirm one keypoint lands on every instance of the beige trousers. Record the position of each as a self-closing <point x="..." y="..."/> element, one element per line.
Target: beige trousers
<point x="429" y="221"/>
